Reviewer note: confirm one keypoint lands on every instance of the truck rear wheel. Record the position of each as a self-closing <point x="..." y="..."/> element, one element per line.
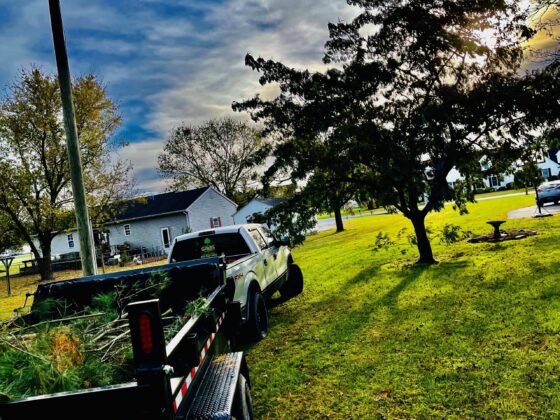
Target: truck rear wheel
<point x="294" y="284"/>
<point x="242" y="403"/>
<point x="257" y="322"/>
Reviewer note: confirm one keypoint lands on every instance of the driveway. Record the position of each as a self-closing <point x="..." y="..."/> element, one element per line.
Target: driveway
<point x="528" y="212"/>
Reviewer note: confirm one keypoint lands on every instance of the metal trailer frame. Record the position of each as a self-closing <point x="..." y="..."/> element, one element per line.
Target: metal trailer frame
<point x="192" y="376"/>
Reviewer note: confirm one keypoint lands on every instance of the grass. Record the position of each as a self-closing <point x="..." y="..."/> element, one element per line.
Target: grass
<point x="374" y="335"/>
<point x="16" y="264"/>
<point x="344" y="213"/>
<point x="22" y="284"/>
<point x="364" y="210"/>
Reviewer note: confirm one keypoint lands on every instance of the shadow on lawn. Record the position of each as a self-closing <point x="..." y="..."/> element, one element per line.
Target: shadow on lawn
<point x="344" y="326"/>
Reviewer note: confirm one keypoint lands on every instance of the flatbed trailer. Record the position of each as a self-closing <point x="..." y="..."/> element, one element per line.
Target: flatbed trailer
<point x="193" y="376"/>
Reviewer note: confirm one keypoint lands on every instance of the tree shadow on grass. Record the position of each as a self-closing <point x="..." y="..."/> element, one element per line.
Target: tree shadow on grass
<point x="348" y="324"/>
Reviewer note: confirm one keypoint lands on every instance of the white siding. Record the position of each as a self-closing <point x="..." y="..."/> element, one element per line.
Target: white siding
<point x="252" y="207"/>
<point x="550" y="164"/>
<point x="147" y="232"/>
<point x="210" y="204"/>
<point x="59" y="244"/>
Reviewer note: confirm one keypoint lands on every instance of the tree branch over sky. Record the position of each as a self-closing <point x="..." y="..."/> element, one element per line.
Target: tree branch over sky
<point x="420" y="87"/>
<point x="223" y="153"/>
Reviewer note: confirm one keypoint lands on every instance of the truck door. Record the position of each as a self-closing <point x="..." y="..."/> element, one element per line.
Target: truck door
<point x="267" y="258"/>
<point x="279" y="253"/>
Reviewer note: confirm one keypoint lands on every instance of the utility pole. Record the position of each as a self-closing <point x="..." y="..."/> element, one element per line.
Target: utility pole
<point x="87" y="249"/>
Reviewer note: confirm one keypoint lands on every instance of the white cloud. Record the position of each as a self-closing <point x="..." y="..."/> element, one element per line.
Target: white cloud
<point x="184" y="67"/>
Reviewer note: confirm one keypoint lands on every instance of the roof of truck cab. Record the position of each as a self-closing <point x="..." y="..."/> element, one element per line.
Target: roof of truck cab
<point x="219" y="230"/>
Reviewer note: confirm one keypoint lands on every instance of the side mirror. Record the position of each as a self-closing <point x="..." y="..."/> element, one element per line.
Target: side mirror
<point x="283" y="242"/>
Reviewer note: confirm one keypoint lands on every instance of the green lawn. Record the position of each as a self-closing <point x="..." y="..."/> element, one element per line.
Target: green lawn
<point x="364" y="210"/>
<point x="373" y="335"/>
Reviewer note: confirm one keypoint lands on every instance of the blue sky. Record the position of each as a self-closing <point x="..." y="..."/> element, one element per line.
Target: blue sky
<point x="168" y="62"/>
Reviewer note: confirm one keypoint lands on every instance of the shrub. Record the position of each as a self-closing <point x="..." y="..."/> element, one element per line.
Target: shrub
<point x="453" y="233"/>
<point x="382" y="241"/>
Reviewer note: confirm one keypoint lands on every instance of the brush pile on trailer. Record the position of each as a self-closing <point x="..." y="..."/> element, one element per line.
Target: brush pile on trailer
<point x="68" y="344"/>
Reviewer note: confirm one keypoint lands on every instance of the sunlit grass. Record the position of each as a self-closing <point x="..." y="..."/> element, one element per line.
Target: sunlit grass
<point x="374" y="335"/>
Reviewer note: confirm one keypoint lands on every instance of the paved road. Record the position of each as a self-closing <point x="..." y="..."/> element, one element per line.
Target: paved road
<point x="504" y="196"/>
<point x="326" y="224"/>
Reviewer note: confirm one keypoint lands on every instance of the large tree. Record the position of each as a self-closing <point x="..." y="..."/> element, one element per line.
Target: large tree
<point x="319" y="168"/>
<point x="35" y="190"/>
<point x="223" y="153"/>
<point x="420" y="87"/>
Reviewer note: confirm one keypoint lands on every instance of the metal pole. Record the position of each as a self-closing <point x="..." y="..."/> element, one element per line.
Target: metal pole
<point x="87" y="250"/>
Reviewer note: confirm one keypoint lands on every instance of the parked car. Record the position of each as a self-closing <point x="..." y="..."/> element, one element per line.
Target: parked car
<point x="549" y="192"/>
<point x="257" y="261"/>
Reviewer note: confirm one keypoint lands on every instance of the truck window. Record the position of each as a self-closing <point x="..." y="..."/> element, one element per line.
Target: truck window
<point x="267" y="235"/>
<point x="258" y="238"/>
<point x="228" y="244"/>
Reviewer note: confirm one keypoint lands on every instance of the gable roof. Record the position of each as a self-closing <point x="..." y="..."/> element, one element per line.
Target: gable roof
<point x="160" y="204"/>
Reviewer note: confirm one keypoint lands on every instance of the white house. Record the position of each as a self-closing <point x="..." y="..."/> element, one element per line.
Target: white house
<point x="547" y="163"/>
<point x="255" y="206"/>
<point x="153" y="222"/>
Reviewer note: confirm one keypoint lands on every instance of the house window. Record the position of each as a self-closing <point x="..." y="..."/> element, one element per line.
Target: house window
<point x="494" y="182"/>
<point x="165" y="237"/>
<point x="70" y="241"/>
<point x="126" y="230"/>
<point x="545" y="172"/>
<point x="215" y="222"/>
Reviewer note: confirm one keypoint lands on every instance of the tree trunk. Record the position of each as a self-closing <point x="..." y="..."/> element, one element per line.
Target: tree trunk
<point x="423" y="243"/>
<point x="338" y="219"/>
<point x="45" y="263"/>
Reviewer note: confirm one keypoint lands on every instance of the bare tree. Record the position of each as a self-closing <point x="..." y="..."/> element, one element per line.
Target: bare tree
<point x="223" y="153"/>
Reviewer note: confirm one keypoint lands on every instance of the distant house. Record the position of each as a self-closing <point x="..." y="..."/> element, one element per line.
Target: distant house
<point x="257" y="206"/>
<point x="153" y="222"/>
<point x="548" y="163"/>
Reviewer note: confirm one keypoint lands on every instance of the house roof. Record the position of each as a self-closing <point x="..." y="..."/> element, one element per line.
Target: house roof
<point x="270" y="201"/>
<point x="160" y="204"/>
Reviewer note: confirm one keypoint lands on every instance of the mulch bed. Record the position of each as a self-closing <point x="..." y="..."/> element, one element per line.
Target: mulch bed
<point x="512" y="235"/>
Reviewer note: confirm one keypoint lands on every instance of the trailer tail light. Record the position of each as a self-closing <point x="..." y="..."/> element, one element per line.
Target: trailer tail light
<point x="538" y="190"/>
<point x="145" y="333"/>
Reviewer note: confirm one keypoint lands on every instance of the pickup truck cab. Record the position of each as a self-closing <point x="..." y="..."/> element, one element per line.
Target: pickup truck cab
<point x="257" y="261"/>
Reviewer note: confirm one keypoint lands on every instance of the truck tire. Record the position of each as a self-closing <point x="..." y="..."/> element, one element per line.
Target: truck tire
<point x="257" y="322"/>
<point x="294" y="284"/>
<point x="242" y="404"/>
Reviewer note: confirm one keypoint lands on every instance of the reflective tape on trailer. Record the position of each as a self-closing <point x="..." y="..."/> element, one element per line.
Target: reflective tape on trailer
<point x="186" y="382"/>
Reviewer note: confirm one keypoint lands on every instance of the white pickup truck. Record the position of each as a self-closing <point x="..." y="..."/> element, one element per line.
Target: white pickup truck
<point x="258" y="263"/>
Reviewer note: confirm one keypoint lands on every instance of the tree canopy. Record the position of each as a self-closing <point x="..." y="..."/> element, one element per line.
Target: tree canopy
<point x="418" y="88"/>
<point x="35" y="191"/>
<point x="223" y="153"/>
